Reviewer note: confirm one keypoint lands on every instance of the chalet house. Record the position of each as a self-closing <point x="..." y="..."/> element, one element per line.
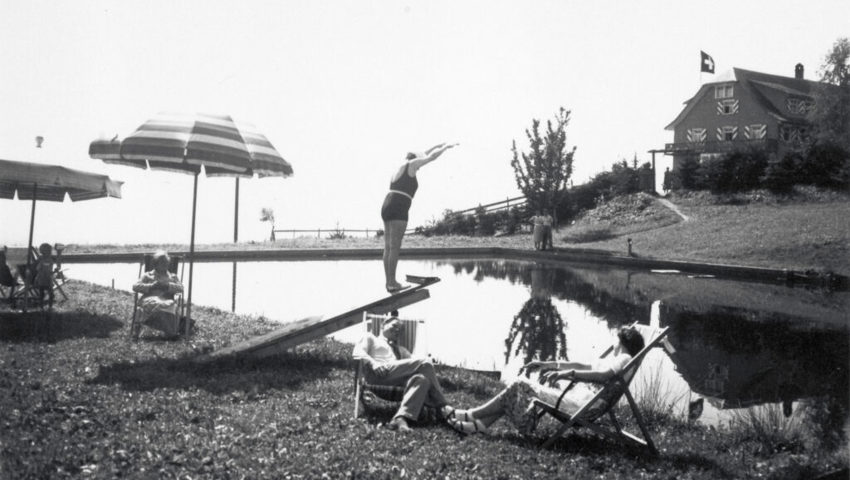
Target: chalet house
<point x="742" y="108"/>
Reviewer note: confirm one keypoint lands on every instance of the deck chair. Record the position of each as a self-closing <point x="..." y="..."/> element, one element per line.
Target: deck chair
<point x="589" y="415"/>
<point x="365" y="393"/>
<point x="146" y="265"/>
<point x="26" y="293"/>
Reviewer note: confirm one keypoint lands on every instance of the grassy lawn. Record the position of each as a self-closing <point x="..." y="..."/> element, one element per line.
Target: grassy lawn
<point x="78" y="400"/>
<point x="800" y="236"/>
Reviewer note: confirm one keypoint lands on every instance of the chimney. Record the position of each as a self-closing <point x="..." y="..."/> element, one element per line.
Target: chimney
<point x="798" y="71"/>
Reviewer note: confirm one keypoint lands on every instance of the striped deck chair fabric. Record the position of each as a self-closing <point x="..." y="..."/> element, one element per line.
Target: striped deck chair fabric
<point x="364" y="393"/>
<point x="606" y="399"/>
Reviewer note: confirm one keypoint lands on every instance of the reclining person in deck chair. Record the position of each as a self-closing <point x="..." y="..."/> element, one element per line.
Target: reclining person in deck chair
<point x="387" y="363"/>
<point x="515" y="401"/>
<point x="158" y="287"/>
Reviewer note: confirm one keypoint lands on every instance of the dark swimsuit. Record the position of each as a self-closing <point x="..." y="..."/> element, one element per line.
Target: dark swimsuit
<point x="396" y="204"/>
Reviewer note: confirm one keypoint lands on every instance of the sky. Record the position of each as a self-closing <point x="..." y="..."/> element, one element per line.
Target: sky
<point x="344" y="89"/>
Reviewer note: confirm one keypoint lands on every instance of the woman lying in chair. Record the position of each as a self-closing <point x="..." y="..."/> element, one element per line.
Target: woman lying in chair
<point x="516" y="401"/>
<point x="158" y="287"/>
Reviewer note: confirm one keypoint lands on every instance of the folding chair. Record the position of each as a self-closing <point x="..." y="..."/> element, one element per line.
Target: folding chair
<point x="606" y="399"/>
<point x="146" y="265"/>
<point x="364" y="393"/>
<point x="27" y="293"/>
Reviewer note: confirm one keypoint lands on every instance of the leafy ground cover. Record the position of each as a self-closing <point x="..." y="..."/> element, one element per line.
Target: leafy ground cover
<point x="77" y="400"/>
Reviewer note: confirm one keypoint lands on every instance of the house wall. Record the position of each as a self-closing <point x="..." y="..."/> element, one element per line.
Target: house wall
<point x="704" y="115"/>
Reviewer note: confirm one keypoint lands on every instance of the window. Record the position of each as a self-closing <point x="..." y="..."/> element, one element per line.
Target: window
<point x="727" y="107"/>
<point x="755" y="131"/>
<point x="727" y="133"/>
<point x="696" y="135"/>
<point x="799" y="106"/>
<point x="723" y="91"/>
<point x="705" y="157"/>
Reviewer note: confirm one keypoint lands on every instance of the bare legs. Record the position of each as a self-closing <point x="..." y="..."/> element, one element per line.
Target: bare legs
<point x="490" y="411"/>
<point x="393" y="235"/>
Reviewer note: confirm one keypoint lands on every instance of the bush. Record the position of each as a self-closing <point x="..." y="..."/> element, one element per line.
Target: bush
<point x="780" y="176"/>
<point x="593" y="233"/>
<point x="485" y="224"/>
<point x="826" y="165"/>
<point x="734" y="172"/>
<point x="686" y="175"/>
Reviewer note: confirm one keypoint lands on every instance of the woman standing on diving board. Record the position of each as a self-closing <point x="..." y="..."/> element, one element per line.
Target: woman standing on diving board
<point x="403" y="186"/>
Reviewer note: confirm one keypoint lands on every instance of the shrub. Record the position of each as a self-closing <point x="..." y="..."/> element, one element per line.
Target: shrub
<point x="747" y="168"/>
<point x="485" y="224"/>
<point x="686" y="175"/>
<point x="780" y="176"/>
<point x="593" y="233"/>
<point x="826" y="165"/>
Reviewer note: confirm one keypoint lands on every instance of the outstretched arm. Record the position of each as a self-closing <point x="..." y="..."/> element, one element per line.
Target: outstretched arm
<point x="439" y="145"/>
<point x="598" y="374"/>
<point x="430" y="156"/>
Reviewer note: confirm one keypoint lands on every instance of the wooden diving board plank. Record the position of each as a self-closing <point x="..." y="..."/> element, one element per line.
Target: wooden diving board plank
<point x="311" y="328"/>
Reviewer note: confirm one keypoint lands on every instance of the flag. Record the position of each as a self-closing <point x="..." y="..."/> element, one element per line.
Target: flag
<point x="706" y="63"/>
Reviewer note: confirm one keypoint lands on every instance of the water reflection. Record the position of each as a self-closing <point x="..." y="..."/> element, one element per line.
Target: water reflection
<point x="738" y="357"/>
<point x="617" y="304"/>
<point x="737" y="344"/>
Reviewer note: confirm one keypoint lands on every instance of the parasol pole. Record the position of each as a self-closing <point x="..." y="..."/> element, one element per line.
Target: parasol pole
<point x="192" y="247"/>
<point x="32" y="224"/>
<point x="235" y="239"/>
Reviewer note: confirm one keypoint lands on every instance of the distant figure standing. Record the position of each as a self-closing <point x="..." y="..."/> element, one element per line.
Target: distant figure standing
<point x="537" y="234"/>
<point x="397" y="203"/>
<point x="547" y="230"/>
<point x="666" y="185"/>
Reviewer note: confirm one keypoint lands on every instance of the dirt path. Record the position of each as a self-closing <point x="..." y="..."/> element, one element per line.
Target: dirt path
<point x="672" y="206"/>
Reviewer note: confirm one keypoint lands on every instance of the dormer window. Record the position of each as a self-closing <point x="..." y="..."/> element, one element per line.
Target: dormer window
<point x="724" y="91"/>
<point x="799" y="106"/>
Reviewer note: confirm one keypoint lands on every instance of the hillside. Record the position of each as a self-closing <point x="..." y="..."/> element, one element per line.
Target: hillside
<point x="809" y="230"/>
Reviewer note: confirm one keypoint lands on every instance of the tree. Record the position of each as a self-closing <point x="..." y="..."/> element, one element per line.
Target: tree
<point x="267" y="215"/>
<point x="542" y="173"/>
<point x="831" y="118"/>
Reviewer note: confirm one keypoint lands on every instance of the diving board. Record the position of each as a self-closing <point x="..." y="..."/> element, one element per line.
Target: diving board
<point x="311" y="328"/>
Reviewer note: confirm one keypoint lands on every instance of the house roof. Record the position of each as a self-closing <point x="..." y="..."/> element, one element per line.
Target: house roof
<point x="761" y="84"/>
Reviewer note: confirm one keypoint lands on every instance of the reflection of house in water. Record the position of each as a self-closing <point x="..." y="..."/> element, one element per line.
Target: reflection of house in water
<point x="740" y="357"/>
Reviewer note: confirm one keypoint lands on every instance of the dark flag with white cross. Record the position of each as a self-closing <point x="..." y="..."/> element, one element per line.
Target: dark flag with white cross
<point x="706" y="63"/>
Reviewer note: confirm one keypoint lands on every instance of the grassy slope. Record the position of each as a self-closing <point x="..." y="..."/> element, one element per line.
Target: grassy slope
<point x="78" y="399"/>
<point x="799" y="236"/>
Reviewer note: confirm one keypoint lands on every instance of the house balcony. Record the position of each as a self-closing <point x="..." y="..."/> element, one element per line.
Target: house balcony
<point x="688" y="148"/>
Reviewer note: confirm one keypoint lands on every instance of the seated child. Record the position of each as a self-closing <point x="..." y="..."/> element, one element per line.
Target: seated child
<point x="158" y="286"/>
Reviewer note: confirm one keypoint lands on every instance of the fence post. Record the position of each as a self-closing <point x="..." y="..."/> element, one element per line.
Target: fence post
<point x="319" y="233"/>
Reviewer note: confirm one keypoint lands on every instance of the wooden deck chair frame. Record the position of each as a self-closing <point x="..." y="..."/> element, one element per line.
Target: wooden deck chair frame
<point x="364" y="391"/>
<point x="604" y="402"/>
<point x="26" y="292"/>
<point x="146" y="265"/>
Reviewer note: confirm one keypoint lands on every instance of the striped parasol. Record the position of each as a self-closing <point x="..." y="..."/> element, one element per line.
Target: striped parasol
<point x="36" y="181"/>
<point x="183" y="143"/>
